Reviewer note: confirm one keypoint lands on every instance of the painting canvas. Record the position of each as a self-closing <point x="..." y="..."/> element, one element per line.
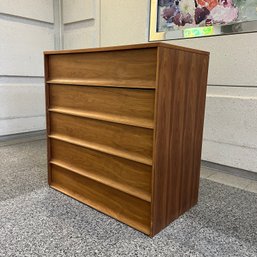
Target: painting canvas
<point x="174" y="15"/>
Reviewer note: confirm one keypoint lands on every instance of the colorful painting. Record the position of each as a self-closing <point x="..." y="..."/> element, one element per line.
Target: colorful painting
<point x="174" y="15"/>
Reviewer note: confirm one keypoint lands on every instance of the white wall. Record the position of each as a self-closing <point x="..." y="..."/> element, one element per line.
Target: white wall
<point x="124" y="22"/>
<point x="26" y="30"/>
<point x="230" y="133"/>
<point x="81" y="23"/>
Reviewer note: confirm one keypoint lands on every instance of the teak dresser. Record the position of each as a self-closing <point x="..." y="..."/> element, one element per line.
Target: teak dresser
<point x="125" y="129"/>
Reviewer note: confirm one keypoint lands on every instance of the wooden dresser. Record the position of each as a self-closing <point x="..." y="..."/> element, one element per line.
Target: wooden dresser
<point x="125" y="129"/>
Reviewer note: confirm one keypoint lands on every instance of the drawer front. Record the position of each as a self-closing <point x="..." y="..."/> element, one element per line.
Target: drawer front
<point x="120" y="103"/>
<point x="130" y="65"/>
<point x="115" y="138"/>
<point x="128" y="209"/>
<point x="114" y="171"/>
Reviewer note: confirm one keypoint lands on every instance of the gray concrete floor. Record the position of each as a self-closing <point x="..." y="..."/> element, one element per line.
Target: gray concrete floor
<point x="38" y="221"/>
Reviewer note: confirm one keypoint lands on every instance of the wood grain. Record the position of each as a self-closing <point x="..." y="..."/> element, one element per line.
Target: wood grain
<point x="145" y="84"/>
<point x="131" y="140"/>
<point x="128" y="47"/>
<point x="127" y="65"/>
<point x="125" y="175"/>
<point x="128" y="209"/>
<point x="132" y="106"/>
<point x="125" y="129"/>
<point x="137" y="122"/>
<point x="47" y="104"/>
<point x="182" y="79"/>
<point x="104" y="149"/>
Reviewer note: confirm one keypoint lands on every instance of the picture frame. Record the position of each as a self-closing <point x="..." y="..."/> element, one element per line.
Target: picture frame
<point x="178" y="19"/>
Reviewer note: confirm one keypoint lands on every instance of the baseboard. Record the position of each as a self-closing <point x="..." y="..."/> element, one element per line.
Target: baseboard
<point x="230" y="170"/>
<point x="22" y="137"/>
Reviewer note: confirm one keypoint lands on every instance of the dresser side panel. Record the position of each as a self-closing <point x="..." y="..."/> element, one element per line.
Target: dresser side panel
<point x="181" y="93"/>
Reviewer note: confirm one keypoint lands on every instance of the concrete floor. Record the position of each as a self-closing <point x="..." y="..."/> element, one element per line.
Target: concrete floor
<point x="38" y="221"/>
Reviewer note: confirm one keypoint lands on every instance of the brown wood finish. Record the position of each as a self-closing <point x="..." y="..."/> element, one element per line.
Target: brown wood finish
<point x="103" y="149"/>
<point x="125" y="129"/>
<point x="47" y="104"/>
<point x="129" y="176"/>
<point x="182" y="79"/>
<point x="127" y="47"/>
<point x="127" y="106"/>
<point x="128" y="65"/>
<point x="138" y="84"/>
<point x="113" y="136"/>
<point x="113" y="202"/>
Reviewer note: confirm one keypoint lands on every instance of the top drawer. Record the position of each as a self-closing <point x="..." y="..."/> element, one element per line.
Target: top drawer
<point x="126" y="68"/>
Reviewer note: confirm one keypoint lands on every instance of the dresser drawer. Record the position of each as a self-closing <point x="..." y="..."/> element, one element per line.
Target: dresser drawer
<point x="124" y="105"/>
<point x="119" y="205"/>
<point x="125" y="175"/>
<point x="125" y="141"/>
<point x="127" y="67"/>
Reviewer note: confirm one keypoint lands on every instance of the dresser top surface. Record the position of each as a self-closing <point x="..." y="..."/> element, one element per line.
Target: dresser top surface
<point x="126" y="47"/>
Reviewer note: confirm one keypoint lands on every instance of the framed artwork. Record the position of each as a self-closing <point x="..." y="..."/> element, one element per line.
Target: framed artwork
<point x="174" y="19"/>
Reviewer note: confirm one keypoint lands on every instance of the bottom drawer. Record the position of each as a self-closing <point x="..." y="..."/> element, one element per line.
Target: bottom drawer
<point x="121" y="206"/>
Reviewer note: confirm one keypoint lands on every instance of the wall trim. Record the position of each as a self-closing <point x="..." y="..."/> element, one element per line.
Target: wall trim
<point x="230" y="170"/>
<point x="244" y="86"/>
<point x="58" y="24"/>
<point x="79" y="24"/>
<point x="25" y="20"/>
<point x="16" y="79"/>
<point x="25" y="137"/>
